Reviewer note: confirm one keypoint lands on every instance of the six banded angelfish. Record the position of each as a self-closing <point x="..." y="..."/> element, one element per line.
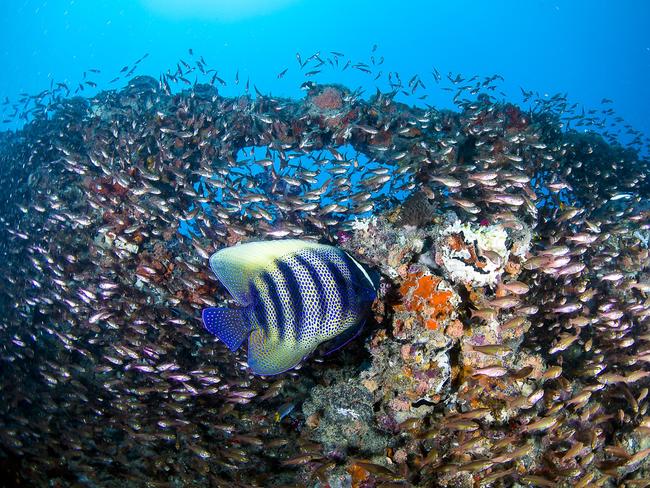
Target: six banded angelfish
<point x="294" y="295"/>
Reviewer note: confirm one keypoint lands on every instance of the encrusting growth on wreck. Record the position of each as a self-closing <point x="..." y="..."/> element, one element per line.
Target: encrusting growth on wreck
<point x="507" y="344"/>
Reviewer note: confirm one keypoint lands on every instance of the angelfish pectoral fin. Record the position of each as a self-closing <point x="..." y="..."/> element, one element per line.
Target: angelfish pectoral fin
<point x="228" y="324"/>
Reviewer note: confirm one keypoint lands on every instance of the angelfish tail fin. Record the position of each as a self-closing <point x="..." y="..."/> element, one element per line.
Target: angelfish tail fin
<point x="228" y="324"/>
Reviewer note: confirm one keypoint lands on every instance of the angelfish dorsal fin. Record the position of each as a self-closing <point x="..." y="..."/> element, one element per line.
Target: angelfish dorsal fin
<point x="237" y="266"/>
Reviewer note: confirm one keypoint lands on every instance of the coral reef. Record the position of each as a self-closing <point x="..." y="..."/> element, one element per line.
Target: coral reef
<point x="429" y="296"/>
<point x="508" y="345"/>
<point x="340" y="417"/>
<point x="416" y="211"/>
<point x="383" y="245"/>
<point x="329" y="98"/>
<point x="474" y="254"/>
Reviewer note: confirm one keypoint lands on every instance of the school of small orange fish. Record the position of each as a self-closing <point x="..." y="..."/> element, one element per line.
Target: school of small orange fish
<point x="509" y="344"/>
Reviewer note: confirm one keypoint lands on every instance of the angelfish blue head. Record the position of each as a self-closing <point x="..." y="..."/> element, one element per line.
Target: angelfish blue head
<point x="293" y="295"/>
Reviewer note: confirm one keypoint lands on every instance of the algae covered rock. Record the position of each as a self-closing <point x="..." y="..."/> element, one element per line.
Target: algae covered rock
<point x="341" y="417"/>
<point x="383" y="245"/>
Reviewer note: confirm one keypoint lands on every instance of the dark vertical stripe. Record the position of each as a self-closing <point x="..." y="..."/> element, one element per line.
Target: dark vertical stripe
<point x="320" y="290"/>
<point x="341" y="285"/>
<point x="295" y="297"/>
<point x="362" y="289"/>
<point x="280" y="319"/>
<point x="258" y="307"/>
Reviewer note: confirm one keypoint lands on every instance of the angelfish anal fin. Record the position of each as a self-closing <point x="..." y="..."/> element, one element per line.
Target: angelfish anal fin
<point x="342" y="339"/>
<point x="228" y="324"/>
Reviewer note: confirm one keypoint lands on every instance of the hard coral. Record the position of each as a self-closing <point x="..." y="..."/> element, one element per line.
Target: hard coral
<point x="416" y="211"/>
<point x="411" y="376"/>
<point x="476" y="255"/>
<point x="515" y="119"/>
<point x="346" y="418"/>
<point x="383" y="245"/>
<point x="329" y="98"/>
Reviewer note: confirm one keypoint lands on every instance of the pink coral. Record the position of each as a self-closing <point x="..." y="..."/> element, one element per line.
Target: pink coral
<point x="329" y="99"/>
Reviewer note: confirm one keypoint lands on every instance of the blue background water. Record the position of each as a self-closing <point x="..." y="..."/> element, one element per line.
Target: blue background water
<point x="590" y="49"/>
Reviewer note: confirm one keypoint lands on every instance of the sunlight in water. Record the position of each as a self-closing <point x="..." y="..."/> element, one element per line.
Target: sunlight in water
<point x="227" y="10"/>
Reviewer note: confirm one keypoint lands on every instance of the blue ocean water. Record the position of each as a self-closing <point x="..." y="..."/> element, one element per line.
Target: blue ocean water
<point x="588" y="49"/>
